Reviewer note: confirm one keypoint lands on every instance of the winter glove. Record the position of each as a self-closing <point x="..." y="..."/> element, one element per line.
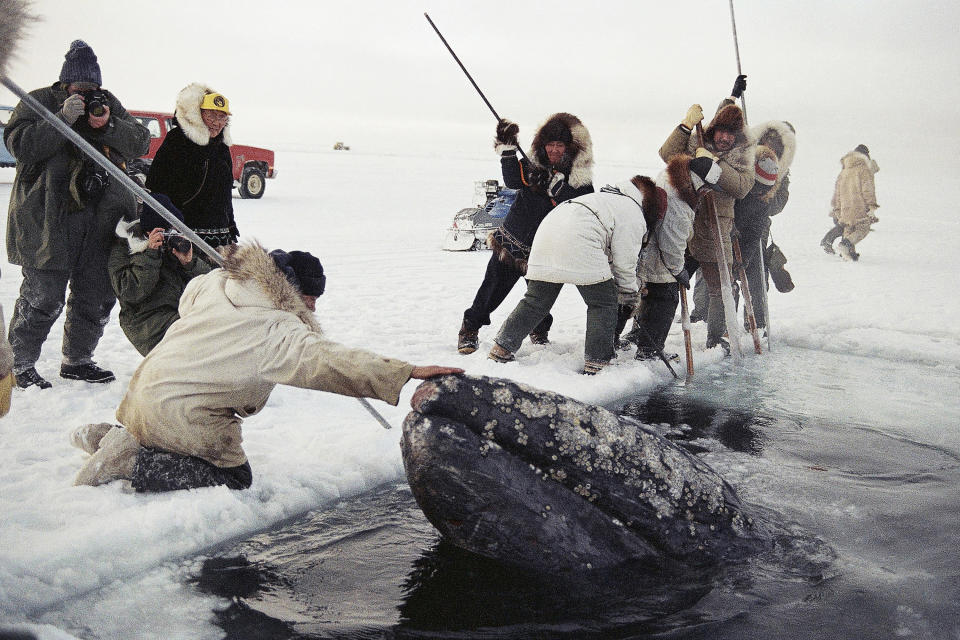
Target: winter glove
<point x="702" y="152"/>
<point x="538" y="178"/>
<point x="507" y="132"/>
<point x="871" y="216"/>
<point x="739" y="86"/>
<point x="556" y="184"/>
<point x="683" y="279"/>
<point x="693" y="117"/>
<point x="624" y="313"/>
<point x="73" y="107"/>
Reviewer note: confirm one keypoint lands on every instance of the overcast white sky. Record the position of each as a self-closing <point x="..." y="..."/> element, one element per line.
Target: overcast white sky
<point x="373" y="74"/>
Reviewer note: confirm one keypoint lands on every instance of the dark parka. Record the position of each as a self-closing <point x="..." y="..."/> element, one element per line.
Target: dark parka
<point x="46" y="227"/>
<point x="513" y="239"/>
<point x="196" y="172"/>
<point x="148" y="284"/>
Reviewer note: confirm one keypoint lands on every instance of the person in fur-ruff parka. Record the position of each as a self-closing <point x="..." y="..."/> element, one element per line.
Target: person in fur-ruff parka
<point x="560" y="167"/>
<point x="243" y="329"/>
<point x="727" y="141"/>
<point x="194" y="168"/>
<point x="854" y="203"/>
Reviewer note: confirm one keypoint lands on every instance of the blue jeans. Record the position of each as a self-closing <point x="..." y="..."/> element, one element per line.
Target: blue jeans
<point x="601" y="299"/>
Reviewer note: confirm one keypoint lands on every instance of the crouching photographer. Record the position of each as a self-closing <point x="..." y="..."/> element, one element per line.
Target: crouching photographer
<point x="150" y="265"/>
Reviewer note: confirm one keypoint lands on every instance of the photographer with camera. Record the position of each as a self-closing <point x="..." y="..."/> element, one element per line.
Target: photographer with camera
<point x="63" y="211"/>
<point x="150" y="266"/>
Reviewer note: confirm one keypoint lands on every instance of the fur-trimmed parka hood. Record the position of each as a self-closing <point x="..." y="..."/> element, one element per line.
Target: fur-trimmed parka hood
<point x="187" y="113"/>
<point x="580" y="170"/>
<point x="250" y="262"/>
<point x="730" y="118"/>
<point x="853" y="158"/>
<point x="773" y="134"/>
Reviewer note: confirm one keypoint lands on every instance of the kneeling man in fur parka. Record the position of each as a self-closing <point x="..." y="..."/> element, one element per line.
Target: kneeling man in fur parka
<point x="243" y="329"/>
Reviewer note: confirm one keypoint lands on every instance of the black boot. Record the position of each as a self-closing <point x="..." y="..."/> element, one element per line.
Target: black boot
<point x="87" y="372"/>
<point x="29" y="378"/>
<point x="468" y="339"/>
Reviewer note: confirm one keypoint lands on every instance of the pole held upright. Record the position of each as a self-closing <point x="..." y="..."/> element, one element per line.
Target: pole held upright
<point x="469" y="77"/>
<point x="736" y="48"/>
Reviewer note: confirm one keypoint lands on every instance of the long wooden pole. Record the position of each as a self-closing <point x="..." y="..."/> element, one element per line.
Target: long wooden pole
<point x="747" y="298"/>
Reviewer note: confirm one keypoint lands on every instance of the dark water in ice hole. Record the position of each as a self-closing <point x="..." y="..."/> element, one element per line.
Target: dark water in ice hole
<point x="858" y="457"/>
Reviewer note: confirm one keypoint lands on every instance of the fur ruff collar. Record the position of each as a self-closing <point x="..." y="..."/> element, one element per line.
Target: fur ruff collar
<point x="580" y="173"/>
<point x="188" y="115"/>
<point x="251" y="262"/>
<point x="678" y="175"/>
<point x="130" y="231"/>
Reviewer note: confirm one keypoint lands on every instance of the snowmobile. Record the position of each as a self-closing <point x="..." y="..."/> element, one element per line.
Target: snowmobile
<point x="470" y="227"/>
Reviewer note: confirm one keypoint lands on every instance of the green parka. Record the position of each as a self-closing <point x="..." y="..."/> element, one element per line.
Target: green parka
<point x="46" y="227"/>
<point x="148" y="284"/>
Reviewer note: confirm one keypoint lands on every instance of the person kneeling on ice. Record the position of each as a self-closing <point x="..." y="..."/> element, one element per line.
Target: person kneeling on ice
<point x="661" y="264"/>
<point x="591" y="241"/>
<point x="243" y="329"/>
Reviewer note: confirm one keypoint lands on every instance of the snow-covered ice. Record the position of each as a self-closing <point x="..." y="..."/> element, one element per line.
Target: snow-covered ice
<point x="102" y="557"/>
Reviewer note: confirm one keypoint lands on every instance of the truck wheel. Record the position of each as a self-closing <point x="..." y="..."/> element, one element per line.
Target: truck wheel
<point x="252" y="183"/>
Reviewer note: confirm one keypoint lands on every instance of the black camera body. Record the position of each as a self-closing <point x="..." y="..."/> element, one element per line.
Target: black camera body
<point x="173" y="239"/>
<point x="94" y="180"/>
<point x="95" y="102"/>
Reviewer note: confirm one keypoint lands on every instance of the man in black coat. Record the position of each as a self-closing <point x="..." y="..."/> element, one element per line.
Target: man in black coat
<point x="560" y="168"/>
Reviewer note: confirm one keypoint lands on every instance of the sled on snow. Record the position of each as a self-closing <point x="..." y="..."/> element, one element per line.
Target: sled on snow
<point x="472" y="225"/>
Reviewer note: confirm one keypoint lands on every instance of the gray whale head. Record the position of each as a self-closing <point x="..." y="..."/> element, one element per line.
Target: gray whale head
<point x="537" y="479"/>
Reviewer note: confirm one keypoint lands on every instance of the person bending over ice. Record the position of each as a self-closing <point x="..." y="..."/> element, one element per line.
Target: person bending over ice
<point x="243" y="329"/>
<point x="593" y="242"/>
<point x="661" y="264"/>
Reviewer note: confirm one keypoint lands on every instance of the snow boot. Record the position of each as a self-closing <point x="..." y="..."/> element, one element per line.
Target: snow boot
<point x="827" y="247"/>
<point x="89" y="436"/>
<point x="499" y="354"/>
<point x="29" y="378"/>
<point x="652" y="354"/>
<point x="723" y="344"/>
<point x="114" y="460"/>
<point x="88" y="372"/>
<point x="539" y="337"/>
<point x="592" y="367"/>
<point x="847" y="251"/>
<point x="468" y="339"/>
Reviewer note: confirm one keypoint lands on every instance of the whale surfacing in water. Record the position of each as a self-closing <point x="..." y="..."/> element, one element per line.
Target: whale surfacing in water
<point x="536" y="479"/>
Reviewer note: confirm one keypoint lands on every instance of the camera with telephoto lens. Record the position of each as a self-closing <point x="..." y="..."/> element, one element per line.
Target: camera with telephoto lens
<point x="173" y="239"/>
<point x="95" y="102"/>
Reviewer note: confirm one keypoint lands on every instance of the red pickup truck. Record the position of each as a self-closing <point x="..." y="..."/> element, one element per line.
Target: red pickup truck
<point x="251" y="165"/>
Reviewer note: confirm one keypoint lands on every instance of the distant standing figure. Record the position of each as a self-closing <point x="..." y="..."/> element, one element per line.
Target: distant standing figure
<point x="854" y="203"/>
<point x="194" y="168"/>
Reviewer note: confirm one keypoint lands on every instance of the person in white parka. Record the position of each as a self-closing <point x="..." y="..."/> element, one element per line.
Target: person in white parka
<point x="591" y="241"/>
